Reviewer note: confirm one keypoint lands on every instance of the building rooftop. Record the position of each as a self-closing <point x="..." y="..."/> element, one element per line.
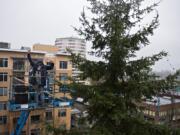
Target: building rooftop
<point x="165" y="100"/>
<point x="39" y="52"/>
<point x="76" y="38"/>
<point x="18" y="50"/>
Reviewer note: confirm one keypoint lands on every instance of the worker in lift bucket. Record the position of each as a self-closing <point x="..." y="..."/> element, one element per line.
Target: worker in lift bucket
<point x="38" y="76"/>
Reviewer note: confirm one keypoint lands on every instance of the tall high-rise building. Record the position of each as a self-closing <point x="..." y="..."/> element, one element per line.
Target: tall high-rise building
<point x="77" y="46"/>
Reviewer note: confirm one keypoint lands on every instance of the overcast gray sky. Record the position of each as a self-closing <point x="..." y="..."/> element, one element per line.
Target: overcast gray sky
<point x="25" y="22"/>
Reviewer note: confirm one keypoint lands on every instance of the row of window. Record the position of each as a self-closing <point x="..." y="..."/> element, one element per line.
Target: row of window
<point x="4" y="63"/>
<point x="49" y="116"/>
<point x="148" y="112"/>
<point x="4" y="77"/>
<point x="61" y="113"/>
<point x="58" y="41"/>
<point x="72" y="45"/>
<point x="161" y="113"/>
<point x="35" y="118"/>
<point x="4" y="91"/>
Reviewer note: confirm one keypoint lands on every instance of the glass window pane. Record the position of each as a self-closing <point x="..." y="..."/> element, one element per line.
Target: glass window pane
<point x="6" y="63"/>
<point x="35" y="119"/>
<point x="1" y="62"/>
<point x="5" y="91"/>
<point x="1" y="77"/>
<point x="62" y="113"/>
<point x="49" y="115"/>
<point x="19" y="64"/>
<point x="3" y="119"/>
<point x="1" y="106"/>
<point x="1" y="91"/>
<point x="63" y="77"/>
<point x="5" y="76"/>
<point x="63" y="65"/>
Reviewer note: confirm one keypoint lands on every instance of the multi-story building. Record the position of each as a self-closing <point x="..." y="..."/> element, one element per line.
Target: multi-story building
<point x="164" y="109"/>
<point x="77" y="46"/>
<point x="14" y="69"/>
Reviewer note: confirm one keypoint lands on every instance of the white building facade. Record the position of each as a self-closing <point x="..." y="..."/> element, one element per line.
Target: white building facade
<point x="76" y="45"/>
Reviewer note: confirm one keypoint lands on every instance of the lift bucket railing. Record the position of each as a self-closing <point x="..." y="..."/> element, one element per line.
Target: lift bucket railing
<point x="27" y="92"/>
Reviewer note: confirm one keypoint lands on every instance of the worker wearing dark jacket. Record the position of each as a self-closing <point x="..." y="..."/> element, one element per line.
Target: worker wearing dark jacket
<point x="39" y="71"/>
<point x="38" y="77"/>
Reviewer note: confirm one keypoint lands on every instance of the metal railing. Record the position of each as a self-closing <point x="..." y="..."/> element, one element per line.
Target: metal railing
<point x="28" y="92"/>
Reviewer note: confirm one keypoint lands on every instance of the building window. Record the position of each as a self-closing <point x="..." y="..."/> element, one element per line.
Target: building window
<point x="3" y="76"/>
<point x="35" y="119"/>
<point x="49" y="115"/>
<point x="19" y="64"/>
<point x="3" y="119"/>
<point x="23" y="132"/>
<point x="3" y="106"/>
<point x="71" y="43"/>
<point x="3" y="62"/>
<point x="62" y="113"/>
<point x="3" y="91"/>
<point x="35" y="131"/>
<point x="15" y="119"/>
<point x="71" y="40"/>
<point x="63" y="64"/>
<point x="164" y="113"/>
<point x="63" y="77"/>
<point x="63" y="88"/>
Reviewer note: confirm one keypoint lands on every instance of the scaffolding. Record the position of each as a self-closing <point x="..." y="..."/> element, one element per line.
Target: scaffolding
<point x="25" y="97"/>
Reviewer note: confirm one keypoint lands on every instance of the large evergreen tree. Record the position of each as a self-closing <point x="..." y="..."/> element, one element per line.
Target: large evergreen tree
<point x="122" y="79"/>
